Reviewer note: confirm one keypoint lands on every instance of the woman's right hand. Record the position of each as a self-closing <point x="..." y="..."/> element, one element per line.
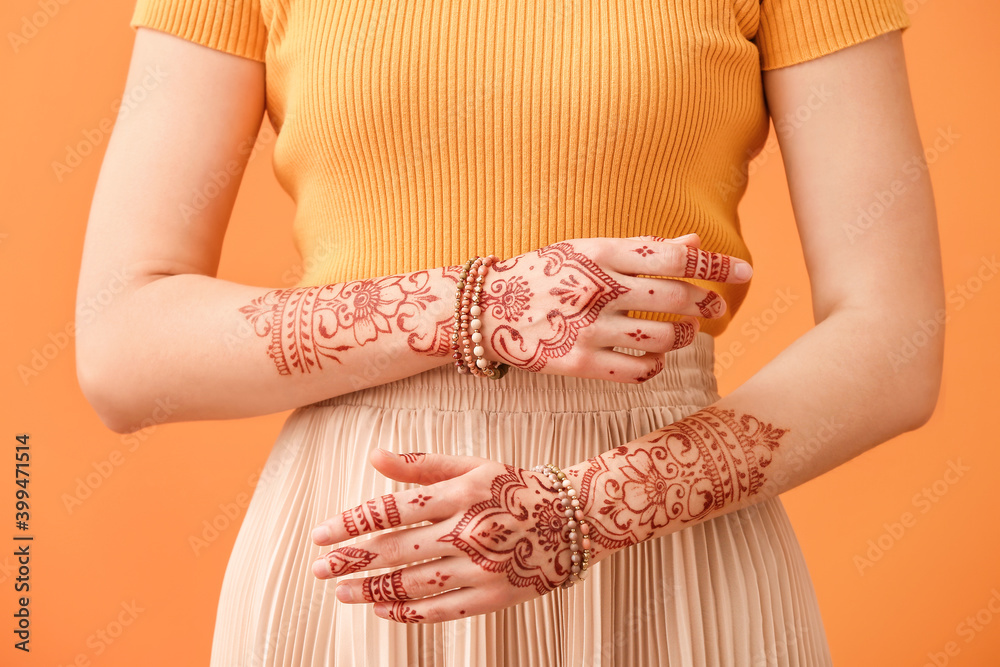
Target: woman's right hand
<point x="562" y="309"/>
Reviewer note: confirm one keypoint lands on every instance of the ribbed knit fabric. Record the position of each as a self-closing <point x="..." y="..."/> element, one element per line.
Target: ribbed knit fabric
<point x="414" y="134"/>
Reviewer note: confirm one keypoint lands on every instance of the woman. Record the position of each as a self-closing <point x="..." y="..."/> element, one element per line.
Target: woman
<point x="599" y="149"/>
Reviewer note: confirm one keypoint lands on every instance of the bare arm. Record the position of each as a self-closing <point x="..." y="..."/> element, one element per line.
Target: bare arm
<point x="838" y="391"/>
<point x="156" y="327"/>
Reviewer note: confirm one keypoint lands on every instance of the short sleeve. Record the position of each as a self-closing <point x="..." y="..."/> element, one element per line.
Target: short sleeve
<point x="232" y="26"/>
<point x="793" y="31"/>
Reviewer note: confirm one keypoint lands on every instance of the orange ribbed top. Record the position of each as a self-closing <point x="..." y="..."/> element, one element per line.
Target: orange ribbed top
<point x="415" y="134"/>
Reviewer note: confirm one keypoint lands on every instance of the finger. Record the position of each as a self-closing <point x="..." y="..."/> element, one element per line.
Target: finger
<point x="673" y="260"/>
<point x="460" y="603"/>
<point x="608" y="364"/>
<point x="651" y="336"/>
<point x="692" y="239"/>
<point x="664" y="295"/>
<point x="388" y="550"/>
<point x="422" y="468"/>
<point x="409" y="583"/>
<point x="427" y="503"/>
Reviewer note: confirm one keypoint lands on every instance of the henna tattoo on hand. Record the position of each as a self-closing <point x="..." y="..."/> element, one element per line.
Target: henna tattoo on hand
<point x="507" y="300"/>
<point x="488" y="532"/>
<point x="400" y="612"/>
<point x="369" y="517"/>
<point x="348" y="560"/>
<point x="706" y="265"/>
<point x="711" y="305"/>
<point x="584" y="290"/>
<point x="700" y="464"/>
<point x="637" y="335"/>
<point x="384" y="587"/>
<point x="683" y="335"/>
<point x="309" y="324"/>
<point x="645" y="251"/>
<point x="413" y="457"/>
<point x="652" y="372"/>
<point x="420" y="500"/>
<point x="439" y="579"/>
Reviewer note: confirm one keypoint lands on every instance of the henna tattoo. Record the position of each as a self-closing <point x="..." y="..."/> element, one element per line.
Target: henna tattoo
<point x="348" y="560"/>
<point x="711" y="305"/>
<point x="584" y="290"/>
<point x="439" y="579"/>
<point x="645" y="251"/>
<point x="652" y="372"/>
<point x="507" y="300"/>
<point x="368" y="517"/>
<point x="486" y="533"/>
<point x="683" y="335"/>
<point x="420" y="500"/>
<point x="700" y="464"/>
<point x="706" y="265"/>
<point x="384" y="587"/>
<point x="309" y="324"/>
<point x="637" y="335"/>
<point x="400" y="612"/>
<point x="413" y="457"/>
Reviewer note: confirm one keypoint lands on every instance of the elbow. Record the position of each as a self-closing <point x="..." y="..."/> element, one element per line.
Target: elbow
<point x="104" y="395"/>
<point x="918" y="392"/>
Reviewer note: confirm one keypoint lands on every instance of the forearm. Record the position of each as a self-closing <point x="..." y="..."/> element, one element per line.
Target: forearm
<point x="830" y="396"/>
<point x="212" y="349"/>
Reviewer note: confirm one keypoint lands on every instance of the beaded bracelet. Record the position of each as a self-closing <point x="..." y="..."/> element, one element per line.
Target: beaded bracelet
<point x="576" y="525"/>
<point x="467" y="339"/>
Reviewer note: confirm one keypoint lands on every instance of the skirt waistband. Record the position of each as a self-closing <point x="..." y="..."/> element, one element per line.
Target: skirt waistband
<point x="687" y="379"/>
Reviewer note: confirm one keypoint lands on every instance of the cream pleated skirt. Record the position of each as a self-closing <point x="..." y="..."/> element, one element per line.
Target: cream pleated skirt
<point x="733" y="591"/>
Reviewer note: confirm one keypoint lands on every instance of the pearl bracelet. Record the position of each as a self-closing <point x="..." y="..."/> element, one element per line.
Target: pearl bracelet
<point x="466" y="340"/>
<point x="577" y="527"/>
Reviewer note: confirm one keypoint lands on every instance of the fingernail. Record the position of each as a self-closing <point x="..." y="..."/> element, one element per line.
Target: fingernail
<point x="344" y="593"/>
<point x="321" y="568"/>
<point x="742" y="271"/>
<point x="386" y="452"/>
<point x="321" y="535"/>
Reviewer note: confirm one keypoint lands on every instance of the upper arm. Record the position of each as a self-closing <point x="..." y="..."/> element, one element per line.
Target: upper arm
<point x="859" y="186"/>
<point x="182" y="138"/>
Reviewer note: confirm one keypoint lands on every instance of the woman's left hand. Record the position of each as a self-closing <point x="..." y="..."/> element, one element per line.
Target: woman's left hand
<point x="493" y="532"/>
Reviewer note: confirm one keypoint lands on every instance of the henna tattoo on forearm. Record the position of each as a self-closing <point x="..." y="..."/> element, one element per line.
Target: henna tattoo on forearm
<point x="373" y="515"/>
<point x="309" y="324"/>
<point x="683" y="335"/>
<point x="706" y="265"/>
<point x="584" y="290"/>
<point x="487" y="532"/>
<point x="384" y="587"/>
<point x="348" y="560"/>
<point x="688" y="469"/>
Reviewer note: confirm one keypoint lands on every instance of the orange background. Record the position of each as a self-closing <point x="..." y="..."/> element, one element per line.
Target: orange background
<point x="124" y="553"/>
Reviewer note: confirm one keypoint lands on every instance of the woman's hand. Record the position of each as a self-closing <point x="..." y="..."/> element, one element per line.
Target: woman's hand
<point x="563" y="308"/>
<point x="494" y="537"/>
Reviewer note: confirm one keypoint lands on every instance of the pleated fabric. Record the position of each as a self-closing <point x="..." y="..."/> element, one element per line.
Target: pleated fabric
<point x="733" y="591"/>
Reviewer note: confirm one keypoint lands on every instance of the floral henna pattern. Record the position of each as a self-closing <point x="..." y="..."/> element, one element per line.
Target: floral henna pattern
<point x="706" y="265"/>
<point x="401" y="613"/>
<point x="348" y="560"/>
<point x="370" y="516"/>
<point x="702" y="463"/>
<point x="584" y="290"/>
<point x="507" y="300"/>
<point x="645" y="251"/>
<point x="683" y="335"/>
<point x="711" y="305"/>
<point x="487" y="533"/>
<point x="384" y="588"/>
<point x="309" y="324"/>
<point x="652" y="372"/>
<point x="637" y="335"/>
